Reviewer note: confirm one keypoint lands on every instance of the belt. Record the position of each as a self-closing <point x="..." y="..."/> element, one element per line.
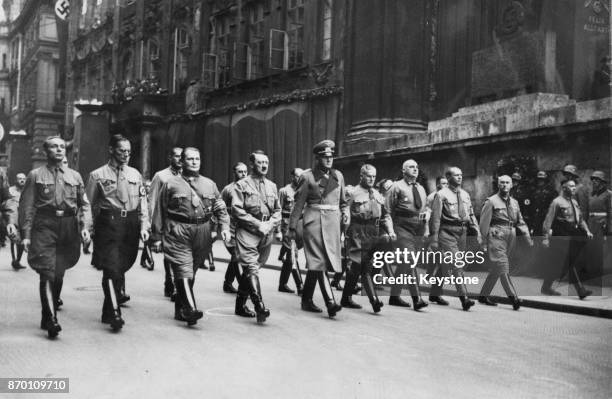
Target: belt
<point x="365" y="222"/>
<point x="598" y="214"/>
<point x="188" y="219"/>
<point x="406" y="213"/>
<point x="117" y="213"/>
<point x="454" y="223"/>
<point x="502" y="223"/>
<point x="262" y="217"/>
<point x="60" y="213"/>
<point x="324" y="207"/>
<point x="286" y="214"/>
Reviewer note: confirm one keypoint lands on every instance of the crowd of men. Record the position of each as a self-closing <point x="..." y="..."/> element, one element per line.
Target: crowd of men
<point x="52" y="211"/>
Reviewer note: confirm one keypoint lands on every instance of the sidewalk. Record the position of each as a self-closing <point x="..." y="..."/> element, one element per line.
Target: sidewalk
<point x="599" y="304"/>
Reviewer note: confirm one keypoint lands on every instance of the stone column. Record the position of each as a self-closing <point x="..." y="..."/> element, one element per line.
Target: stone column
<point x="145" y="151"/>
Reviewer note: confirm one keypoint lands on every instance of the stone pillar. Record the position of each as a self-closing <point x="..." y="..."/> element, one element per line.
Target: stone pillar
<point x="145" y="151"/>
<point x="386" y="77"/>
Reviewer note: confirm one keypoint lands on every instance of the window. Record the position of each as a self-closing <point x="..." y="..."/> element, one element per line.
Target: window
<point x="217" y="68"/>
<point x="209" y="78"/>
<point x="182" y="52"/>
<point x="279" y="56"/>
<point x="47" y="28"/>
<point x="152" y="62"/>
<point x="295" y="31"/>
<point x="327" y="30"/>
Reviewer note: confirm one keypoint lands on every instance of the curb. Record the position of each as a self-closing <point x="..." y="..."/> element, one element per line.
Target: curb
<point x="527" y="303"/>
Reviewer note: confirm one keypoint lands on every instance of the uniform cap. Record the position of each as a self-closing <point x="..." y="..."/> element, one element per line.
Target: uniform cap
<point x="541" y="175"/>
<point x="325" y="148"/>
<point x="571" y="169"/>
<point x="598" y="174"/>
<point x="516" y="176"/>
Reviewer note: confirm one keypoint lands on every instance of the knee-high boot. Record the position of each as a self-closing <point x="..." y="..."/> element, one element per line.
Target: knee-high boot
<point x="349" y="287"/>
<point x="284" y="277"/>
<point x="58" y="284"/>
<point x="188" y="310"/>
<point x="111" y="313"/>
<point x="169" y="289"/>
<point x="328" y="295"/>
<point x="242" y="295"/>
<point x="510" y="291"/>
<point x="230" y="274"/>
<point x="415" y="292"/>
<point x="257" y="298"/>
<point x="310" y="284"/>
<point x="49" y="317"/>
<point x="297" y="278"/>
<point x="368" y="286"/>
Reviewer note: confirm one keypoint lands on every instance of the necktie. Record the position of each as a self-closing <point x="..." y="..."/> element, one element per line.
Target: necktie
<point x="262" y="196"/>
<point x="59" y="188"/>
<point x="122" y="186"/>
<point x="416" y="196"/>
<point x="195" y="198"/>
<point x="460" y="207"/>
<point x="509" y="210"/>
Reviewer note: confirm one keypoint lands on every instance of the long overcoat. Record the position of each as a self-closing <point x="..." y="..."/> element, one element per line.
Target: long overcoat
<point x="321" y="201"/>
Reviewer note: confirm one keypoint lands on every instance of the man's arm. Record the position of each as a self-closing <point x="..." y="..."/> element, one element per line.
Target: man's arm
<point x="485" y="218"/>
<point x="548" y="221"/>
<point x="220" y="210"/>
<point x="26" y="205"/>
<point x="239" y="212"/>
<point x="299" y="201"/>
<point x="91" y="190"/>
<point x="85" y="217"/>
<point x="434" y="222"/>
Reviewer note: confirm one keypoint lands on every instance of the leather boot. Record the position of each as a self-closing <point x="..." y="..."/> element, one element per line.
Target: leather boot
<point x="257" y="299"/>
<point x="49" y="317"/>
<point x="168" y="284"/>
<point x="328" y="294"/>
<point x="188" y="310"/>
<point x="510" y="291"/>
<point x="241" y="308"/>
<point x="310" y="284"/>
<point x="438" y="299"/>
<point x="58" y="284"/>
<point x="230" y="273"/>
<point x="418" y="303"/>
<point x="122" y="297"/>
<point x="368" y="286"/>
<point x="111" y="313"/>
<point x="580" y="290"/>
<point x="336" y="281"/>
<point x="466" y="303"/>
<point x="415" y="293"/>
<point x="485" y="300"/>
<point x="284" y="278"/>
<point x="297" y="278"/>
<point x="349" y="286"/>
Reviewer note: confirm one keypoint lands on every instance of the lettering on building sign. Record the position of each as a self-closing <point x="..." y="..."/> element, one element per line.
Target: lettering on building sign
<point x="62" y="9"/>
<point x="600" y="22"/>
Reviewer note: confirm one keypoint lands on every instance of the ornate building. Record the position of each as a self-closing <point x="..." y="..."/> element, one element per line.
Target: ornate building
<point x="36" y="108"/>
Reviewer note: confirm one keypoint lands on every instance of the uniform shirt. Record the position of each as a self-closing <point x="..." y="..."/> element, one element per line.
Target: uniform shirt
<point x="600" y="207"/>
<point x="286" y="197"/>
<point x="102" y="192"/>
<point x="11" y="206"/>
<point x="188" y="197"/>
<point x="58" y="188"/>
<point x="4" y="186"/>
<point x="445" y="209"/>
<point x="430" y="199"/>
<point x="368" y="204"/>
<point x="400" y="198"/>
<point x="497" y="210"/>
<point x="560" y="210"/>
<point x="159" y="179"/>
<point x="252" y="198"/>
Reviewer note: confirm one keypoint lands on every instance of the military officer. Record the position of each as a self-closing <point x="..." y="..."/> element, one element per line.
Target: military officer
<point x="257" y="211"/>
<point x="52" y="198"/>
<point x="368" y="212"/>
<point x="182" y="218"/>
<point x="599" y="221"/>
<point x="407" y="203"/>
<point x="451" y="217"/>
<point x="582" y="192"/>
<point x="286" y="199"/>
<point x="11" y="211"/>
<point x="159" y="179"/>
<point x="4" y="196"/>
<point x="564" y="228"/>
<point x="240" y="171"/>
<point x="320" y="200"/>
<point x="543" y="195"/>
<point x="499" y="219"/>
<point x="441" y="183"/>
<point x="119" y="205"/>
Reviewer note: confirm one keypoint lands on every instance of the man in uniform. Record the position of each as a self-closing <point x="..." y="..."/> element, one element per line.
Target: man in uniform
<point x="368" y="212"/>
<point x="441" y="183"/>
<point x="564" y="228"/>
<point x="543" y="195"/>
<point x="451" y="217"/>
<point x="599" y="221"/>
<point x="257" y="211"/>
<point x="232" y="272"/>
<point x="499" y="219"/>
<point x="52" y="198"/>
<point x="286" y="199"/>
<point x="159" y="179"/>
<point x="320" y="200"/>
<point x="119" y="204"/>
<point x="182" y="218"/>
<point x="4" y="196"/>
<point x="11" y="211"/>
<point x="407" y="202"/>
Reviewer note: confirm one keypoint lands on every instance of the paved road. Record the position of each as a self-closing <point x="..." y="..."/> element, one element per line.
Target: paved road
<point x="442" y="352"/>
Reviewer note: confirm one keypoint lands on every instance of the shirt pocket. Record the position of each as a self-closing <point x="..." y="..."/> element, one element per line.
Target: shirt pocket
<point x="176" y="200"/>
<point x="500" y="213"/>
<point x="566" y="212"/>
<point x="359" y="208"/>
<point x="133" y="186"/>
<point x="451" y="204"/>
<point x="71" y="188"/>
<point x="45" y="188"/>
<point x="109" y="186"/>
<point x="208" y="202"/>
<point x="251" y="200"/>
